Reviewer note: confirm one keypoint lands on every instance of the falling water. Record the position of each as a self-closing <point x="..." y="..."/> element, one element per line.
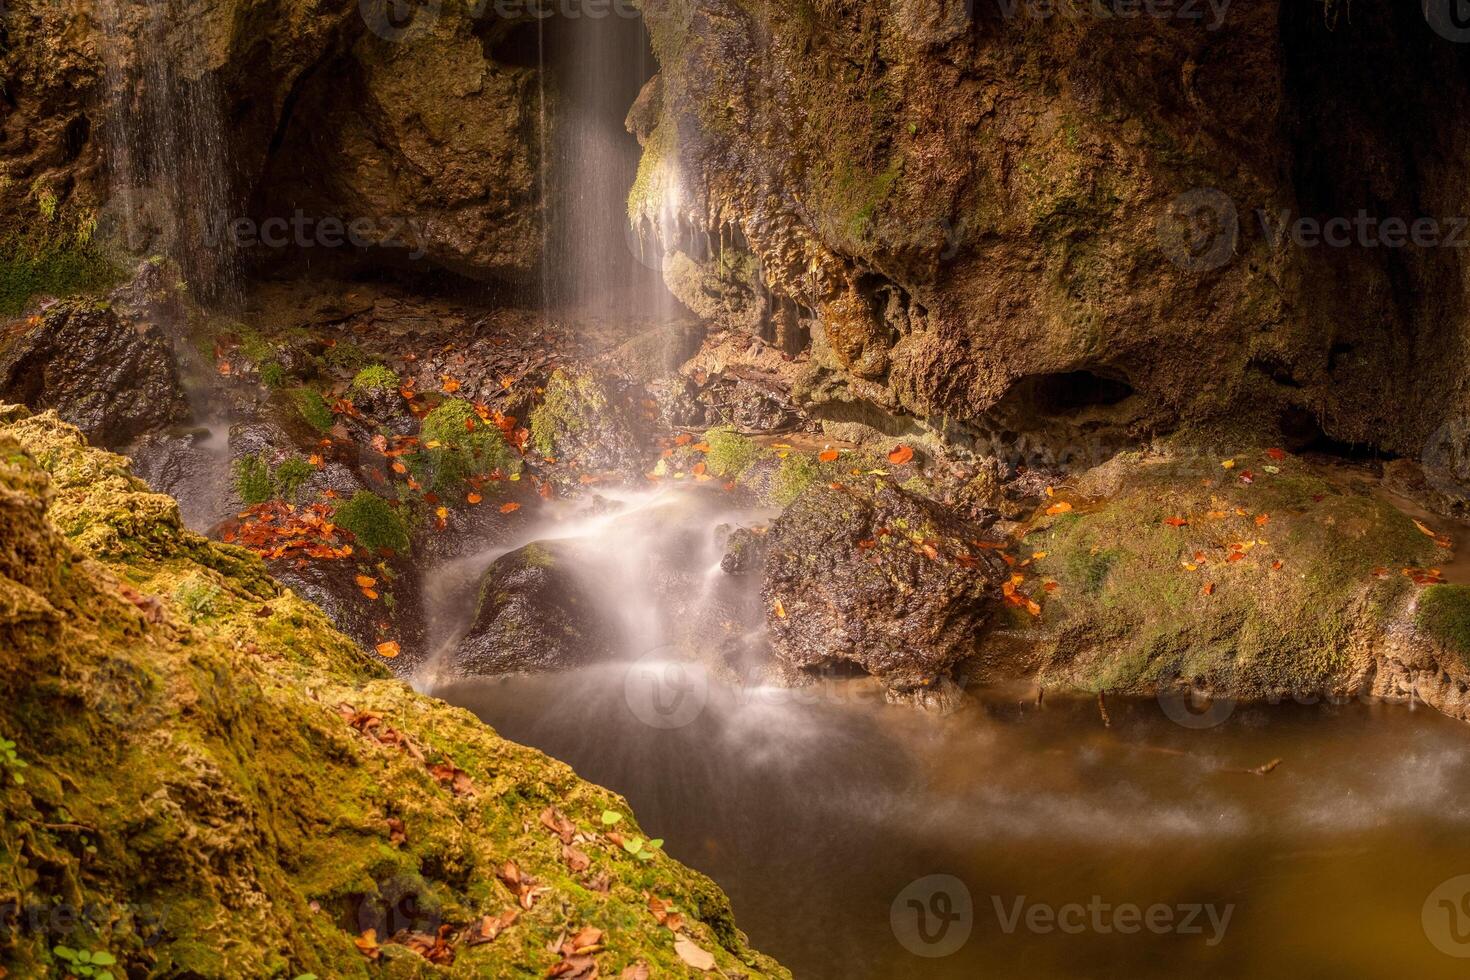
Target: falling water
<point x="171" y="195"/>
<point x="597" y="66"/>
<point x="170" y="171"/>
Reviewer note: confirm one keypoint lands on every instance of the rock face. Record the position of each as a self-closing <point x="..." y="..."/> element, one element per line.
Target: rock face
<point x="879" y="579"/>
<point x="217" y="755"/>
<point x="113" y="378"/>
<point x="1052" y="224"/>
<point x="533" y="615"/>
<point x="431" y="139"/>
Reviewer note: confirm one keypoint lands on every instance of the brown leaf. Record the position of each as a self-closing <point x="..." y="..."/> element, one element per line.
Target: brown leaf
<point x="637" y="971"/>
<point x="553" y="820"/>
<point x="693" y="955"/>
<point x="576" y="860"/>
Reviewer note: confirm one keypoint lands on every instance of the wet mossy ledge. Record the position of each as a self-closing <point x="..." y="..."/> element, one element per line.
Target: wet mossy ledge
<point x="206" y="779"/>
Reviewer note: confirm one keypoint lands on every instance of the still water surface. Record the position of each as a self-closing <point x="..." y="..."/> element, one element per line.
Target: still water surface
<point x="818" y="812"/>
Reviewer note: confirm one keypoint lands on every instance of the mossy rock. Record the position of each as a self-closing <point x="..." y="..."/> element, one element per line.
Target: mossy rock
<point x="1444" y="615"/>
<point x="194" y="739"/>
<point x="1275" y="582"/>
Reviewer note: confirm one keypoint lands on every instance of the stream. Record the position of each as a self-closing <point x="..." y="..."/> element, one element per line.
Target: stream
<point x="1036" y="838"/>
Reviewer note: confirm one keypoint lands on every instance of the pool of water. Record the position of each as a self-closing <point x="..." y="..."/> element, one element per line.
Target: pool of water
<point x="857" y="839"/>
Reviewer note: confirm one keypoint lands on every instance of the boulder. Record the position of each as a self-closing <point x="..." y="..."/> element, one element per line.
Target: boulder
<point x="113" y="378"/>
<point x="532" y="614"/>
<point x="873" y="577"/>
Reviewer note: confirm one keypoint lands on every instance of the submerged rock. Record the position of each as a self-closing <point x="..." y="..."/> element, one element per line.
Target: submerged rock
<point x="532" y="614"/>
<point x="874" y="577"/>
<point x="112" y="378"/>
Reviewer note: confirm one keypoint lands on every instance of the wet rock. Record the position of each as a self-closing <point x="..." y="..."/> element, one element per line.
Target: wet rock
<point x="194" y="468"/>
<point x="533" y="614"/>
<point x="745" y="552"/>
<point x="591" y="422"/>
<point x="877" y="578"/>
<point x="115" y="379"/>
<point x="678" y="403"/>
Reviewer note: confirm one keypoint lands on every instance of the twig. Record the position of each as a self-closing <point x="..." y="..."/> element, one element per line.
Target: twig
<point x="1102" y="709"/>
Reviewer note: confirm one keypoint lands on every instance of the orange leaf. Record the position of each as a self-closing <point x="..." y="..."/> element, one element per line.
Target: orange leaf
<point x="509" y="508"/>
<point x="399" y="468"/>
<point x="1209" y="589"/>
<point x="699" y="469"/>
<point x="224" y="368"/>
<point x="474" y="498"/>
<point x="1262" y="520"/>
<point x="683" y="439"/>
<point x="388" y="649"/>
<point x="1059" y="508"/>
<point x="365" y="581"/>
<point x="1276" y="453"/>
<point x="450" y="385"/>
<point x="829" y="456"/>
<point x="1176" y="522"/>
<point x="901" y="455"/>
<point x="372" y="596"/>
<point x="315" y="461"/>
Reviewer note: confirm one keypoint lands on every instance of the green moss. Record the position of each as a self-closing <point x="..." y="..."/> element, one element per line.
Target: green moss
<point x="290" y="477"/>
<point x="253" y="484"/>
<point x="796" y="472"/>
<point x="374" y="522"/>
<point x="273" y="374"/>
<point x="197" y="596"/>
<point x="1143" y="602"/>
<point x="238" y="703"/>
<point x="375" y="378"/>
<point x="256" y="481"/>
<point x="568" y="408"/>
<point x="313" y="409"/>
<point x="730" y="453"/>
<point x="1444" y="614"/>
<point x="465" y="445"/>
<point x="52" y="263"/>
<point x="345" y="357"/>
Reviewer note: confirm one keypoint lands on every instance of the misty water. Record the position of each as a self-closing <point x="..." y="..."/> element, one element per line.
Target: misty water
<point x="826" y="814"/>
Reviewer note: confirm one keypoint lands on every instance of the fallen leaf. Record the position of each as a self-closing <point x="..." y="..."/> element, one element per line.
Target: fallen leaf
<point x="399" y="468"/>
<point x="367" y="944"/>
<point x="1262" y="520"/>
<point x="388" y="649"/>
<point x="780" y="610"/>
<point x="693" y="955"/>
<point x="901" y="455"/>
<point x="829" y="456"/>
<point x="1176" y="522"/>
<point x="1209" y="589"/>
<point x="1424" y="530"/>
<point x="1059" y="508"/>
<point x="365" y="581"/>
<point x="1277" y="454"/>
<point x="371" y="595"/>
<point x="509" y="508"/>
<point x="474" y="498"/>
<point x="1228" y="464"/>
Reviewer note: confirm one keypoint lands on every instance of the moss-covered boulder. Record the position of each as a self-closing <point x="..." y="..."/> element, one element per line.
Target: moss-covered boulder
<point x="590" y="422"/>
<point x="867" y="575"/>
<point x="1256" y="575"/>
<point x="208" y="780"/>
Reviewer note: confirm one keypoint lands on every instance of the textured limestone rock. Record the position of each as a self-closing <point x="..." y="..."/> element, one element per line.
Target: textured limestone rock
<point x="877" y="578"/>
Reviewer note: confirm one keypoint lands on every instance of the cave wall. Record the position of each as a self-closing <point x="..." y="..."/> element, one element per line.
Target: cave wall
<point x="960" y="202"/>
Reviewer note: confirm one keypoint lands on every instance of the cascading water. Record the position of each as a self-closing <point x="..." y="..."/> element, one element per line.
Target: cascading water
<point x="172" y="184"/>
<point x="171" y="193"/>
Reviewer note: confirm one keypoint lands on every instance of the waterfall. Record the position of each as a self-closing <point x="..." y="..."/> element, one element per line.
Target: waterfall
<point x="170" y="174"/>
<point x="597" y="65"/>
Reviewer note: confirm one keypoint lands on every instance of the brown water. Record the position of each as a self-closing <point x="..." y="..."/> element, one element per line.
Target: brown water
<point x="824" y="814"/>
